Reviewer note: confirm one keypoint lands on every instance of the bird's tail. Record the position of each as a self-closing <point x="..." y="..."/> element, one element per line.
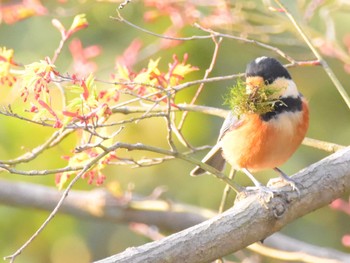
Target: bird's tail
<point x="214" y="158"/>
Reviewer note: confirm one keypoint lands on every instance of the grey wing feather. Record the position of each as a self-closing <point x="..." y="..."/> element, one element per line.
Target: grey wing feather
<point x="230" y="121"/>
<point x="215" y="158"/>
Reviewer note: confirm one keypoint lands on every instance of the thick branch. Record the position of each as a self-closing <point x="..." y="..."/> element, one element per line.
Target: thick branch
<point x="102" y="205"/>
<point x="249" y="221"/>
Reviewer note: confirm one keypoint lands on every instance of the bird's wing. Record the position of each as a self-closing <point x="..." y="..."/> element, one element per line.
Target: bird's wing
<point x="231" y="122"/>
<point x="214" y="158"/>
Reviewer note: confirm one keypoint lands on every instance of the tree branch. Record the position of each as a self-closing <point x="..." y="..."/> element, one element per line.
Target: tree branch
<point x="249" y="221"/>
<point x="297" y="250"/>
<point x="102" y="205"/>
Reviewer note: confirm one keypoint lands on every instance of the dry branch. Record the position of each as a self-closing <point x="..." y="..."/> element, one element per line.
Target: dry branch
<point x="249" y="221"/>
<point x="100" y="204"/>
<point x="296" y="250"/>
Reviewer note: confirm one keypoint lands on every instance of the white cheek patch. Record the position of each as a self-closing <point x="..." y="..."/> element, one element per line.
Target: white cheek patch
<point x="287" y="86"/>
<point x="292" y="90"/>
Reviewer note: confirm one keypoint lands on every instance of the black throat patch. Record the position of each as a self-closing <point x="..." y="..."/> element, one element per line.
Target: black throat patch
<point x="289" y="104"/>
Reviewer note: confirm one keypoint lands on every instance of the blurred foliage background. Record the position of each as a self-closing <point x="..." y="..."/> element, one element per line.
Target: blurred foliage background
<point x="68" y="239"/>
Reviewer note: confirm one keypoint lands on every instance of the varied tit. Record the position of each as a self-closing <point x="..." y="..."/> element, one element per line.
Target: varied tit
<point x="255" y="142"/>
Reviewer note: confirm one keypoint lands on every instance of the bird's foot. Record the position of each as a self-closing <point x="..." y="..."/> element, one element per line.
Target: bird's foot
<point x="286" y="179"/>
<point x="265" y="194"/>
<point x="275" y="181"/>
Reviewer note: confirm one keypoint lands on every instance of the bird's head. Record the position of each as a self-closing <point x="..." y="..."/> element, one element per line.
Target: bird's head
<point x="266" y="87"/>
<point x="269" y="73"/>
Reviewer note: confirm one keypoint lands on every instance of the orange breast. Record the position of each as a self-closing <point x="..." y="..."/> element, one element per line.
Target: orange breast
<point x="258" y="145"/>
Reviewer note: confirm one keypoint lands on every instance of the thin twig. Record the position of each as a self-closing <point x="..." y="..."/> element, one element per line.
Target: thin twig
<point x="324" y="64"/>
<point x="145" y="162"/>
<point x="169" y="126"/>
<point x="124" y="3"/>
<point x="39" y="172"/>
<point x="322" y="145"/>
<point x="49" y="218"/>
<point x="210" y="169"/>
<point x="139" y="98"/>
<point x="179" y="107"/>
<point x="134" y="119"/>
<point x="8" y="112"/>
<point x="201" y="86"/>
<point x="59" y="48"/>
<point x="250" y="41"/>
<point x="121" y="19"/>
<point x="208" y="80"/>
<point x="288" y="255"/>
<point x="55" y="138"/>
<point x="226" y="191"/>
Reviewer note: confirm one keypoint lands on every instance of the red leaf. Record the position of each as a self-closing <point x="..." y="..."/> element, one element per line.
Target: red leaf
<point x="86" y="90"/>
<point x="58" y="123"/>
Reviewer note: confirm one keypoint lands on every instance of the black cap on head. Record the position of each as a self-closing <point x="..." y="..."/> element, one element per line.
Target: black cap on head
<point x="267" y="68"/>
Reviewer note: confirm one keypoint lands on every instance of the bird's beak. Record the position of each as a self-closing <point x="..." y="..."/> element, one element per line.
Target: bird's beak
<point x="253" y="83"/>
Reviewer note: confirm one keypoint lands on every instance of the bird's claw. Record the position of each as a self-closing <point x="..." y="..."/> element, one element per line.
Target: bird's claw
<point x="265" y="194"/>
<point x="290" y="182"/>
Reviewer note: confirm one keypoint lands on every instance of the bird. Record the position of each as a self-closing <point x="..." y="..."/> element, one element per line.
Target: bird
<point x="256" y="141"/>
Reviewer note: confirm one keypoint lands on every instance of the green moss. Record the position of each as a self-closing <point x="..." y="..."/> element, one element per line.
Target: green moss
<point x="261" y="100"/>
